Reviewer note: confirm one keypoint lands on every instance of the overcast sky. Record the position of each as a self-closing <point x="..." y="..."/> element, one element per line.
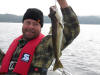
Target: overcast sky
<point x="18" y="7"/>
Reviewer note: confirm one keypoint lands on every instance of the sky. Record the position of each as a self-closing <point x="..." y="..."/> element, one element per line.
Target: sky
<point x="18" y="7"/>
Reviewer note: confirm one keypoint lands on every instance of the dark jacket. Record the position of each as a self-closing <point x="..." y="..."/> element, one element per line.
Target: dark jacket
<point x="44" y="54"/>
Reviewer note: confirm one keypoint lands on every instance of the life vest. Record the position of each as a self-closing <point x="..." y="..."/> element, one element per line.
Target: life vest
<point x="25" y="58"/>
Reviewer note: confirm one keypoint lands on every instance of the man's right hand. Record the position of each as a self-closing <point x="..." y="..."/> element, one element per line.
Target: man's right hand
<point x="1" y="52"/>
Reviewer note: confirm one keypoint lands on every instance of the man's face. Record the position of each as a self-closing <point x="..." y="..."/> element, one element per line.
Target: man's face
<point x="31" y="29"/>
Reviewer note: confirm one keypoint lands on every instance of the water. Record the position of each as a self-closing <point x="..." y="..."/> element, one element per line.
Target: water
<point x="81" y="57"/>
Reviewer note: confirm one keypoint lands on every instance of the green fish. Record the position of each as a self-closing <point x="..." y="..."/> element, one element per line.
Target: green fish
<point x="57" y="35"/>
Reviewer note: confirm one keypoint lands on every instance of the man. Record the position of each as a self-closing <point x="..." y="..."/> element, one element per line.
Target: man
<point x="32" y="52"/>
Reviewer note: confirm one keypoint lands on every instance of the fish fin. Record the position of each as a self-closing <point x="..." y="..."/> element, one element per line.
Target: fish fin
<point x="57" y="65"/>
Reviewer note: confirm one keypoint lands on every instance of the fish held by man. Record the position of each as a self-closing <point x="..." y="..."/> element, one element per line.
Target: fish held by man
<point x="57" y="35"/>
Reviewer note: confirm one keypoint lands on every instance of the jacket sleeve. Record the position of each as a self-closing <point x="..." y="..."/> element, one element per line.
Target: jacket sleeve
<point x="71" y="26"/>
<point x="1" y="55"/>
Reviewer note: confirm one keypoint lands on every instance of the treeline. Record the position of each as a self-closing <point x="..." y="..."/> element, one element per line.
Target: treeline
<point x="89" y="19"/>
<point x="18" y="19"/>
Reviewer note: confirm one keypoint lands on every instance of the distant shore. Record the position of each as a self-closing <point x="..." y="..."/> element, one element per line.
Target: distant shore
<point x="17" y="19"/>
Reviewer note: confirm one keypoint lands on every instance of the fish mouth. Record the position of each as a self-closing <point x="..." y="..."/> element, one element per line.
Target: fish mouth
<point x="53" y="8"/>
<point x="52" y="11"/>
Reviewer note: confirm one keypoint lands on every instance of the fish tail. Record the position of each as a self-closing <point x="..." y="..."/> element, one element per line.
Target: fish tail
<point x="57" y="65"/>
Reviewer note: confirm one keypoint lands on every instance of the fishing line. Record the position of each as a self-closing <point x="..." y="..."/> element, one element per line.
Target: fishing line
<point x="55" y="2"/>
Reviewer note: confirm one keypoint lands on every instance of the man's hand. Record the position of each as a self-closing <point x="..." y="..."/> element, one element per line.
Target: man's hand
<point x="63" y="3"/>
<point x="1" y="52"/>
<point x="1" y="55"/>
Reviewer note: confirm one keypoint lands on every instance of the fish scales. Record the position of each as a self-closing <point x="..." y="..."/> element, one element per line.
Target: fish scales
<point x="57" y="34"/>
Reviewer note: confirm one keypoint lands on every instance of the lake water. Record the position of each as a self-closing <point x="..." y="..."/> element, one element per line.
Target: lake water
<point x="81" y="57"/>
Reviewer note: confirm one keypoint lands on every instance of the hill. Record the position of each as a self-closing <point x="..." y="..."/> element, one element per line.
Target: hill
<point x="89" y="19"/>
<point x="18" y="19"/>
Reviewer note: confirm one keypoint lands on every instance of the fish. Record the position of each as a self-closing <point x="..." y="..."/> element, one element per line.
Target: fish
<point x="57" y="35"/>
